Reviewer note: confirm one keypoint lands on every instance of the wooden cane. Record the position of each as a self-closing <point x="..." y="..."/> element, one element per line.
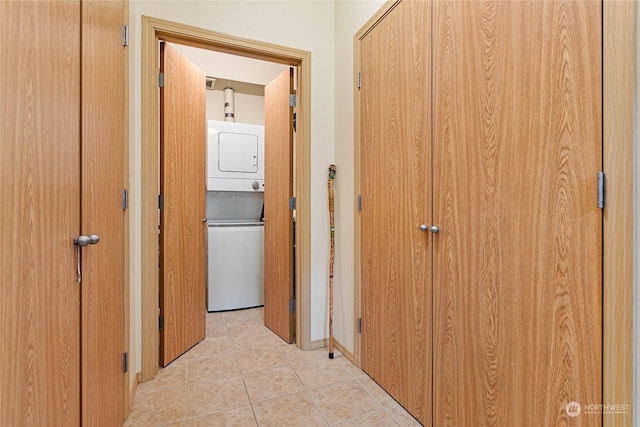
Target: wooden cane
<point x="332" y="175"/>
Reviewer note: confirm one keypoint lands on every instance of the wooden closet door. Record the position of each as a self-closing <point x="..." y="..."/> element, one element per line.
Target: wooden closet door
<point x="61" y="158"/>
<point x="517" y="264"/>
<point x="278" y="226"/>
<point x="103" y="159"/>
<point x="39" y="213"/>
<point x="395" y="101"/>
<point x="183" y="134"/>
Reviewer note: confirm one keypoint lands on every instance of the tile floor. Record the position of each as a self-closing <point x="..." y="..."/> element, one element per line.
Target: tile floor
<point x="242" y="374"/>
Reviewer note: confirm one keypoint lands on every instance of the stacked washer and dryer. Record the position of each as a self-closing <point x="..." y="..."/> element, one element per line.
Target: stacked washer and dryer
<point x="235" y="227"/>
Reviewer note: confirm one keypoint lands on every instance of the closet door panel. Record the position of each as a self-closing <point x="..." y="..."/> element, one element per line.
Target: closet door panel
<point x="39" y="213"/>
<point x="517" y="263"/>
<point x="396" y="200"/>
<point x="103" y="158"/>
<point x="182" y="184"/>
<point x="278" y="228"/>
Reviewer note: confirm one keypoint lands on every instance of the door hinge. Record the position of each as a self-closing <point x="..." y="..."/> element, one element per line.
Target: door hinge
<point x="160" y="201"/>
<point x="292" y="306"/>
<point x="125" y="199"/>
<point x="125" y="362"/>
<point x="125" y="35"/>
<point x="292" y="203"/>
<point x="160" y="322"/>
<point x="359" y="80"/>
<point x="292" y="100"/>
<point x="359" y="202"/>
<point x="161" y="80"/>
<point x="359" y="324"/>
<point x="601" y="190"/>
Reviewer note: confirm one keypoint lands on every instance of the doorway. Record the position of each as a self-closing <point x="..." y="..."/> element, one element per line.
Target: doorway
<point x="234" y="228"/>
<point x="154" y="30"/>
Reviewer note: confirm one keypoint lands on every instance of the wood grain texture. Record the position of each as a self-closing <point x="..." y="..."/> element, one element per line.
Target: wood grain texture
<point x="302" y="177"/>
<point x="357" y="174"/>
<point x="395" y="130"/>
<point x="182" y="180"/>
<point x="619" y="59"/>
<point x="278" y="228"/>
<point x="150" y="189"/>
<point x="103" y="157"/>
<point x="518" y="261"/>
<point x="39" y="213"/>
<point x="131" y="348"/>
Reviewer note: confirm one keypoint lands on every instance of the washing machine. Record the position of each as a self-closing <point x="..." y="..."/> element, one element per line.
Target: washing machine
<point x="235" y="230"/>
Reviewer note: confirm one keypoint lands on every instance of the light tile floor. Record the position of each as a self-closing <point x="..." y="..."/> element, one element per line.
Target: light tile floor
<point x="242" y="374"/>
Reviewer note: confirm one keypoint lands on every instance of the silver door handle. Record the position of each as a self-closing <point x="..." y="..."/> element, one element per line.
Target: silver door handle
<point x="91" y="239"/>
<point x="79" y="242"/>
<point x="434" y="228"/>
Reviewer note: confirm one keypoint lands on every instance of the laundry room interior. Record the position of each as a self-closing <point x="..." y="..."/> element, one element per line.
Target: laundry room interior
<point x="235" y="181"/>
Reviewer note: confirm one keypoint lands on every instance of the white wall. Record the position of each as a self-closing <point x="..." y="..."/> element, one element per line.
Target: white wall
<point x="306" y="25"/>
<point x="247" y="108"/>
<point x="350" y="16"/>
<point x="231" y="67"/>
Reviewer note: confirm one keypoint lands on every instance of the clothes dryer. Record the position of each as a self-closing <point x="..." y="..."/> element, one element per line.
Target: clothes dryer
<point x="235" y="201"/>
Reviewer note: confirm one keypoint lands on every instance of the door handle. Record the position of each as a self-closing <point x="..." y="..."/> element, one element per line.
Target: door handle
<point x="79" y="242"/>
<point x="91" y="239"/>
<point x="434" y="228"/>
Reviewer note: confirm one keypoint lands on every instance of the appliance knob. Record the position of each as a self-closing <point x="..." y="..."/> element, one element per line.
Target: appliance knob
<point x="255" y="185"/>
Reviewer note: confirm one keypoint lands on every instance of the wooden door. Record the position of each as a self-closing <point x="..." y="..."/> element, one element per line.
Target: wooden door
<point x="182" y="184"/>
<point x="103" y="157"/>
<point x="518" y="260"/>
<point x="396" y="199"/>
<point x="39" y="213"/>
<point x="278" y="226"/>
<point x="62" y="167"/>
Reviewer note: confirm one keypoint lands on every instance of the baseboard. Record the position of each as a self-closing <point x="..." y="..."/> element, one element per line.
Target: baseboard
<point x="347" y="354"/>
<point x="336" y="345"/>
<point x="319" y="343"/>
<point x="132" y="391"/>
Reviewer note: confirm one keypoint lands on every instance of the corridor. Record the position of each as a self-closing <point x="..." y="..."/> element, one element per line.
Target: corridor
<point x="244" y="375"/>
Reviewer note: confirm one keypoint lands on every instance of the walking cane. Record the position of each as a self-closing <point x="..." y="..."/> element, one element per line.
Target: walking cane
<point x="332" y="175"/>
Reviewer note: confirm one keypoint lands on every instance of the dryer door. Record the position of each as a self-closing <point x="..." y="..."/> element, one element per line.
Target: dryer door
<point x="237" y="152"/>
